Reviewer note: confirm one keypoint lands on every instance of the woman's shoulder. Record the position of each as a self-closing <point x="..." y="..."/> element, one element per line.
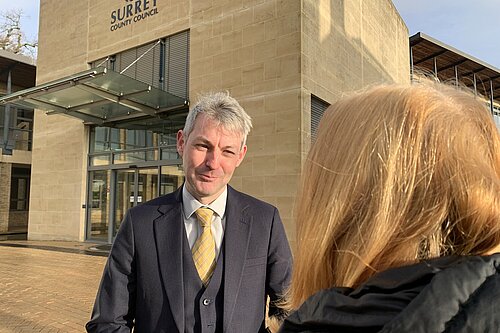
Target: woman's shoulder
<point x="452" y="292"/>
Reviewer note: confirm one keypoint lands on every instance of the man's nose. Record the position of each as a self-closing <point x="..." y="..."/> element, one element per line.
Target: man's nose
<point x="212" y="159"/>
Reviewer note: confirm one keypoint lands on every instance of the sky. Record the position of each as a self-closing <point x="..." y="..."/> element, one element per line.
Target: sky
<point x="29" y="19"/>
<point x="471" y="26"/>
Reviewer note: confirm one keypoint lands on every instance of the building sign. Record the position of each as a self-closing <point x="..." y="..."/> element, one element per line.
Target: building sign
<point x="131" y="12"/>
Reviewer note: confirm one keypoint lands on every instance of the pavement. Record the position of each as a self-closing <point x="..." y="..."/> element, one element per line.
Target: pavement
<point x="48" y="286"/>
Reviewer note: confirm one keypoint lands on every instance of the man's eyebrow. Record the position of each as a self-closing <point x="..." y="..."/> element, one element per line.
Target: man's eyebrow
<point x="202" y="139"/>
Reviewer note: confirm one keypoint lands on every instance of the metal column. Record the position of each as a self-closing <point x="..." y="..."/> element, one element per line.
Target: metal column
<point x="411" y="64"/>
<point x="491" y="98"/>
<point x="6" y="124"/>
<point x="475" y="84"/>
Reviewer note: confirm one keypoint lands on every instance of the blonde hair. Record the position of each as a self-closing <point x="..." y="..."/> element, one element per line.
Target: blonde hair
<point x="398" y="173"/>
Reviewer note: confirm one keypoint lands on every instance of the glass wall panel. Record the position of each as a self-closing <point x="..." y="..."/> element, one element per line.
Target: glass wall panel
<point x="169" y="153"/>
<point x="99" y="204"/>
<point x="116" y="139"/>
<point x="496" y="118"/>
<point x="147" y="185"/>
<point x="124" y="195"/>
<point x="19" y="128"/>
<point x="170" y="179"/>
<point x="134" y="157"/>
<point x="104" y="159"/>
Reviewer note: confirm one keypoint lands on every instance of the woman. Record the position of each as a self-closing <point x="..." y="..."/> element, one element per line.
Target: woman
<point x="399" y="215"/>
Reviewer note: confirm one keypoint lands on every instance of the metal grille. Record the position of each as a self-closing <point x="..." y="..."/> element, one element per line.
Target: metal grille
<point x="318" y="107"/>
<point x="177" y="64"/>
<point x="124" y="60"/>
<point x="145" y="66"/>
<point x="163" y="65"/>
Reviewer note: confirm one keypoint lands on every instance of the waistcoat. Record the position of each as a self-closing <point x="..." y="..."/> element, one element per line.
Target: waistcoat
<point x="203" y="306"/>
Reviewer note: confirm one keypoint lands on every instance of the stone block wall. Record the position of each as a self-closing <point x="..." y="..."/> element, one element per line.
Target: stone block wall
<point x="60" y="143"/>
<point x="5" y="177"/>
<point x="269" y="54"/>
<point x="252" y="49"/>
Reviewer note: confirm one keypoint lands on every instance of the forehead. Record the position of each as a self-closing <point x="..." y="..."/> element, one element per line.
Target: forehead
<point x="208" y="128"/>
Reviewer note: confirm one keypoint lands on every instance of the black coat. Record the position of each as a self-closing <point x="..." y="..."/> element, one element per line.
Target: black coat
<point x="450" y="294"/>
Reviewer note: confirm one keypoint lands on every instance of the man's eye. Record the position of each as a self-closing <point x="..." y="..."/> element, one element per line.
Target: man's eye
<point x="201" y="147"/>
<point x="229" y="152"/>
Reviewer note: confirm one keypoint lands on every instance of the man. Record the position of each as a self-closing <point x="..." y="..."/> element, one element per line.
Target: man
<point x="177" y="268"/>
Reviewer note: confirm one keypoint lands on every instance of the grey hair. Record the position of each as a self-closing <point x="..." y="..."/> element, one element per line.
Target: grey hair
<point x="224" y="110"/>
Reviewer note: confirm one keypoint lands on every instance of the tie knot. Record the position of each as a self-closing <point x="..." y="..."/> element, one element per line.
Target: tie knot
<point x="204" y="216"/>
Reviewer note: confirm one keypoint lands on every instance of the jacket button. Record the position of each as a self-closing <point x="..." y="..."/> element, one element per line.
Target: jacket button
<point x="206" y="301"/>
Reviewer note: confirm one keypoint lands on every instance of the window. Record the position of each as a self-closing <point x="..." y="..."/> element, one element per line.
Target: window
<point x="318" y="107"/>
<point x="18" y="129"/>
<point x="19" y="188"/>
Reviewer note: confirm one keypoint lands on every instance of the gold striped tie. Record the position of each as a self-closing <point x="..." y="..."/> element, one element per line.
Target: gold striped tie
<point x="204" y="247"/>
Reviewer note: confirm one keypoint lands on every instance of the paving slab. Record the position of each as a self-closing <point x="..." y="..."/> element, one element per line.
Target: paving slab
<point x="47" y="286"/>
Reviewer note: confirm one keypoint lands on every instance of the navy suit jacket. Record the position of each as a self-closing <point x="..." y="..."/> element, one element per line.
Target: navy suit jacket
<point x="142" y="283"/>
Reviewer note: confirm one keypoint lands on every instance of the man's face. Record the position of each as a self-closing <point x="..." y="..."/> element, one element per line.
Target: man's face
<point x="210" y="154"/>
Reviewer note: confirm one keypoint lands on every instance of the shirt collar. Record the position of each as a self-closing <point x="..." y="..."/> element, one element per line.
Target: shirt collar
<point x="190" y="204"/>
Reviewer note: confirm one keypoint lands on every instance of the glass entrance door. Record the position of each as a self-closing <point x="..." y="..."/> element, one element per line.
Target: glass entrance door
<point x="113" y="192"/>
<point x="133" y="187"/>
<point x="125" y="195"/>
<point x="98" y="205"/>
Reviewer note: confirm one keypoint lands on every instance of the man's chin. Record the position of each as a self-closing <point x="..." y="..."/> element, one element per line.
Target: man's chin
<point x="208" y="191"/>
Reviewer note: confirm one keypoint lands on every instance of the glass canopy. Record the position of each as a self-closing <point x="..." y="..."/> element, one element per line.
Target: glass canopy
<point x="98" y="96"/>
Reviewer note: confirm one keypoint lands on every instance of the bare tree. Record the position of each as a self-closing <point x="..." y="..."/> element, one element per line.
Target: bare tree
<point x="12" y="37"/>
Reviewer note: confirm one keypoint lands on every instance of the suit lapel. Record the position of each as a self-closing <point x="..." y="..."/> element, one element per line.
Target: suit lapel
<point x="236" y="238"/>
<point x="169" y="232"/>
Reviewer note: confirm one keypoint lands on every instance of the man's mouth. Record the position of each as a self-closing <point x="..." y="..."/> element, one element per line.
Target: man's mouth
<point x="208" y="178"/>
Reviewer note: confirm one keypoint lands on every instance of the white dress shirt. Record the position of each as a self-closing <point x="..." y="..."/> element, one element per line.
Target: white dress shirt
<point x="193" y="228"/>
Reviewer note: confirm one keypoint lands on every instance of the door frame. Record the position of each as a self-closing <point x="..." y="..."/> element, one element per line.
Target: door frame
<point x="135" y="193"/>
<point x="113" y="169"/>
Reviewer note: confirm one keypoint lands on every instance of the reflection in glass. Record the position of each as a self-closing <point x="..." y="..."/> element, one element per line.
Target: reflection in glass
<point x="136" y="186"/>
<point x="169" y="153"/>
<point x="139" y="134"/>
<point x="99" y="204"/>
<point x="148" y="185"/>
<point x="124" y="195"/>
<point x="171" y="178"/>
<point x="19" y="128"/>
<point x="100" y="160"/>
<point x="134" y="156"/>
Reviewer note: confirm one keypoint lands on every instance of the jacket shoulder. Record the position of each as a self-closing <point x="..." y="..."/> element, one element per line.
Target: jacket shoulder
<point x="478" y="311"/>
<point x="152" y="207"/>
<point x="248" y="200"/>
<point x="466" y="296"/>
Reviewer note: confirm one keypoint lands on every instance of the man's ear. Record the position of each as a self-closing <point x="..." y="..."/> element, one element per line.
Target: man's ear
<point x="180" y="142"/>
<point x="241" y="155"/>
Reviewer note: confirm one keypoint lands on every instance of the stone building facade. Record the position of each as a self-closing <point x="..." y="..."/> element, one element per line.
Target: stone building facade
<point x="17" y="72"/>
<point x="284" y="60"/>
